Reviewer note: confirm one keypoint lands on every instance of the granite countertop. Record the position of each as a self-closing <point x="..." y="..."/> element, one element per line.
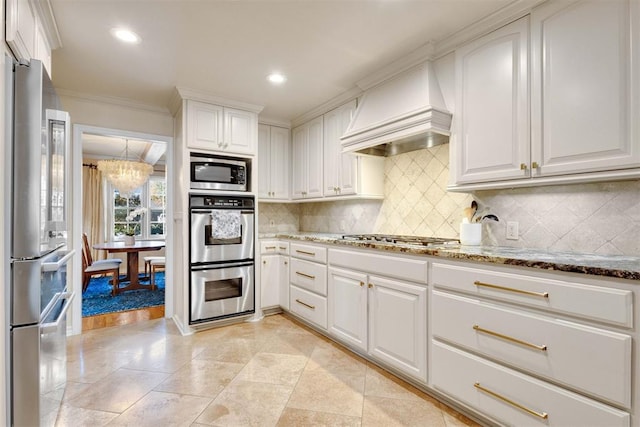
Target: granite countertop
<point x="623" y="267"/>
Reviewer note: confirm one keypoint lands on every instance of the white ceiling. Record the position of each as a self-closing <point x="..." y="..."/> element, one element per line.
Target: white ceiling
<point x="226" y="48"/>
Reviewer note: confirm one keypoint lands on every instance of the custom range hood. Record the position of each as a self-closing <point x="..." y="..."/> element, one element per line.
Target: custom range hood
<point x="404" y="113"/>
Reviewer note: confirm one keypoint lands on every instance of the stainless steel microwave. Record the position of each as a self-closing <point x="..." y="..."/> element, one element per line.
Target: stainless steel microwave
<point x="218" y="173"/>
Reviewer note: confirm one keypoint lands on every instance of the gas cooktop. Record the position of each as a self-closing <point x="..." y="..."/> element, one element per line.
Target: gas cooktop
<point x="413" y="240"/>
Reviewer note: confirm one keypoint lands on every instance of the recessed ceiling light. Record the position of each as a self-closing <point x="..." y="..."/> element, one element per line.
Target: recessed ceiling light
<point x="125" y="35"/>
<point x="276" y="78"/>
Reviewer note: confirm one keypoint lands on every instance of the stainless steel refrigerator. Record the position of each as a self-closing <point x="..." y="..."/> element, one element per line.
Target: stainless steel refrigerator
<point x="38" y="299"/>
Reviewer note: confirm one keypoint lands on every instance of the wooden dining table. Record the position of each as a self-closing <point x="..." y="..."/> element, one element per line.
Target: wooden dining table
<point x="133" y="252"/>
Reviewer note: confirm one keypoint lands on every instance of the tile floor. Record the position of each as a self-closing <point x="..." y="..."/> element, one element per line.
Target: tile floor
<point x="275" y="372"/>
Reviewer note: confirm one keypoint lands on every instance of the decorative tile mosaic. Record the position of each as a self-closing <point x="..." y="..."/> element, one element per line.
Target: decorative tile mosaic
<point x="278" y="217"/>
<point x="601" y="218"/>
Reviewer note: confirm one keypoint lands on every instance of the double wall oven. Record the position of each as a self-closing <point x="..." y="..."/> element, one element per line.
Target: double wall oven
<point x="221" y="253"/>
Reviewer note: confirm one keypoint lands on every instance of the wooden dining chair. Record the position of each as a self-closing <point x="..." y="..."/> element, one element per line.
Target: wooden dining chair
<point x="88" y="271"/>
<point x="87" y="251"/>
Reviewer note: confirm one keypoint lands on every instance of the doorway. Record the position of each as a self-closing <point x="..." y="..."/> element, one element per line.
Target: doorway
<point x="91" y="144"/>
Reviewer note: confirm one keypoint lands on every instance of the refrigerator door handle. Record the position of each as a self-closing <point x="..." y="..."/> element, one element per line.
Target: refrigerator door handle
<point x="53" y="326"/>
<point x="55" y="266"/>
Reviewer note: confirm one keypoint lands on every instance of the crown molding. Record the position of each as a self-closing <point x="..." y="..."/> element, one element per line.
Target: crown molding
<point x="124" y="102"/>
<point x="500" y="18"/>
<point x="274" y="122"/>
<point x="187" y="93"/>
<point x="327" y="106"/>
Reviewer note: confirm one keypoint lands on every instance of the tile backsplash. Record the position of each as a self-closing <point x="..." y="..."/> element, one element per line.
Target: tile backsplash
<point x="601" y="218"/>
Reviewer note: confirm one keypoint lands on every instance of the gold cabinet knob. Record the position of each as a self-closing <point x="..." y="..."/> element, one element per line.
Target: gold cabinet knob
<point x="523" y="166"/>
<point x="535" y="165"/>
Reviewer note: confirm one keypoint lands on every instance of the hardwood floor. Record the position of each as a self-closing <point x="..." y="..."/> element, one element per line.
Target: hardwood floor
<point x="121" y="318"/>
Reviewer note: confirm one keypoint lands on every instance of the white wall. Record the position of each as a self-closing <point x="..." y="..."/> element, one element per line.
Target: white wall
<point x="117" y="114"/>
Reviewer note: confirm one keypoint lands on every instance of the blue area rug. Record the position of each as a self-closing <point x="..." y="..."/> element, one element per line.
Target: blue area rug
<point x="98" y="300"/>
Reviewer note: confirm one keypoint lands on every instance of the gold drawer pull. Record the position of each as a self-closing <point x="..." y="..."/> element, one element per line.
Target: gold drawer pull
<point x="269" y="247"/>
<point x="308" y="276"/>
<point x="305" y="252"/>
<point x="283" y="248"/>
<point x="508" y="338"/>
<point x="542" y="415"/>
<point x="518" y="291"/>
<point x="312" y="307"/>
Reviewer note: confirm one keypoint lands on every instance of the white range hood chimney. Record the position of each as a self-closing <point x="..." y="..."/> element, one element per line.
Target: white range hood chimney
<point x="404" y="113"/>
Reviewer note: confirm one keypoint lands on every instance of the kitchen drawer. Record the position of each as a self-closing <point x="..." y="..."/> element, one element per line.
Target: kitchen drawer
<point x="460" y="374"/>
<point x="590" y="302"/>
<point x="399" y="267"/>
<point x="592" y="360"/>
<point x="274" y="247"/>
<point x="309" y="275"/>
<point x="309" y="306"/>
<point x="309" y="252"/>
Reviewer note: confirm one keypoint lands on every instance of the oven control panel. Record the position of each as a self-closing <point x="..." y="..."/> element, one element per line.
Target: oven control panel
<point x="207" y="201"/>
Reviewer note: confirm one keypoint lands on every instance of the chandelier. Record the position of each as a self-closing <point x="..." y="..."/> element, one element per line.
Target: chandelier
<point x="125" y="175"/>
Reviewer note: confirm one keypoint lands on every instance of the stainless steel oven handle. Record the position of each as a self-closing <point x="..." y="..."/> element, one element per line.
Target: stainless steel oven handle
<point x="210" y="266"/>
<point x="210" y="211"/>
<point x="53" y="326"/>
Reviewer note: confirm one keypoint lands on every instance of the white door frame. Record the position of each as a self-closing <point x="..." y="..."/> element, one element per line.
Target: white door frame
<point x="75" y="239"/>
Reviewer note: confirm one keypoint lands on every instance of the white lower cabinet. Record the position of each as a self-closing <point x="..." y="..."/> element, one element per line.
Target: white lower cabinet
<point x="549" y="347"/>
<point x="398" y="325"/>
<point x="384" y="317"/>
<point x="274" y="274"/>
<point x="512" y="398"/>
<point x="310" y="306"/>
<point x="274" y="271"/>
<point x="534" y="349"/>
<point x="348" y="307"/>
<point x="308" y="283"/>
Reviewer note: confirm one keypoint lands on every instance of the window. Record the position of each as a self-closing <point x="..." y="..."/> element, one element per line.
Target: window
<point x="141" y="212"/>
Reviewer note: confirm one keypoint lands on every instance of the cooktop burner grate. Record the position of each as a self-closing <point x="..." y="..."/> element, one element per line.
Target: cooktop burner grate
<point x="390" y="238"/>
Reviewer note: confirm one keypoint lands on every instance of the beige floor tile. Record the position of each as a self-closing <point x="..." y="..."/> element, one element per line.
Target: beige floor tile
<point x="288" y="342"/>
<point x="94" y="365"/>
<point x="118" y="391"/>
<point x="163" y="357"/>
<point x="273" y="368"/>
<point x="275" y="371"/>
<point x="299" y="417"/>
<point x="337" y="361"/>
<point x="201" y="378"/>
<point x="380" y="383"/>
<point x="71" y="416"/>
<point x="453" y="418"/>
<point x="246" y="403"/>
<point x="231" y="350"/>
<point x="163" y="409"/>
<point x="322" y="391"/>
<point x="380" y="411"/>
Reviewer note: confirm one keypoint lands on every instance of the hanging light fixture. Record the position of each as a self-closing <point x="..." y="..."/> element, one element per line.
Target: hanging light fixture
<point x="125" y="175"/>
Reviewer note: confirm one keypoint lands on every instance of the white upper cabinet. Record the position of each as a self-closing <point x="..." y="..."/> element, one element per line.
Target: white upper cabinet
<point x="321" y="170"/>
<point x="21" y="28"/>
<point x="584" y="98"/>
<point x="307" y="160"/>
<point x="585" y="90"/>
<point x="273" y="162"/>
<point x="25" y="34"/>
<point x="339" y="168"/>
<point x="216" y="128"/>
<point x="493" y="116"/>
<point x="240" y="129"/>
